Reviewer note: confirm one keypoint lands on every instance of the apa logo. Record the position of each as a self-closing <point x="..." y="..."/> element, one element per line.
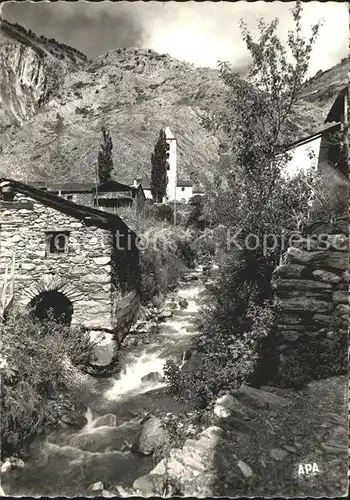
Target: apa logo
<point x="307" y="469"/>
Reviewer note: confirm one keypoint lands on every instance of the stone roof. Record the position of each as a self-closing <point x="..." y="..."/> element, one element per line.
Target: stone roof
<point x="334" y="127"/>
<point x="90" y="216"/>
<point x="336" y="113"/>
<point x="83" y="187"/>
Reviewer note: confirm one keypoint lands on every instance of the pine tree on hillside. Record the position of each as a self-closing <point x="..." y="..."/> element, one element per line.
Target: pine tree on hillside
<point x="105" y="159"/>
<point x="159" y="179"/>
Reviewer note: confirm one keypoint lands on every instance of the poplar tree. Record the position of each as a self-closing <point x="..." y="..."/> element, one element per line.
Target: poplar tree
<point x="105" y="158"/>
<point x="159" y="179"/>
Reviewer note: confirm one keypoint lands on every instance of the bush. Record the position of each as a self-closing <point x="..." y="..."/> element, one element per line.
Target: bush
<point x="186" y="253"/>
<point x="159" y="212"/>
<point x="227" y="361"/>
<point x="161" y="262"/>
<point x="33" y="373"/>
<point x="243" y="277"/>
<point x="206" y="243"/>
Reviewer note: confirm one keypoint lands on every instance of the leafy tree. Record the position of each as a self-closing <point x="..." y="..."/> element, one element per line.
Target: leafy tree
<point x="159" y="177"/>
<point x="259" y="117"/>
<point x="254" y="200"/>
<point x="105" y="158"/>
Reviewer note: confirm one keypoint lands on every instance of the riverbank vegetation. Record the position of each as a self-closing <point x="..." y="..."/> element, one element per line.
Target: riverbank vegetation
<point x="258" y="203"/>
<point x="165" y="253"/>
<point x="33" y="375"/>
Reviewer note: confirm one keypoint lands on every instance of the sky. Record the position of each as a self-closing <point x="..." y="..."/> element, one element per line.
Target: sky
<point x="199" y="32"/>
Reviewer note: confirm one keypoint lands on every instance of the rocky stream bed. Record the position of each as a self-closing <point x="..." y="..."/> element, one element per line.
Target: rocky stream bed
<point x="248" y="443"/>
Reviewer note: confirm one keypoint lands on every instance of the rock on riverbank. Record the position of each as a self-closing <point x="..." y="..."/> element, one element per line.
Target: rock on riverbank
<point x="254" y="445"/>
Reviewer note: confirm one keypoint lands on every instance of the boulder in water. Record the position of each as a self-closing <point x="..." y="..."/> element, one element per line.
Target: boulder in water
<point x="17" y="463"/>
<point x="139" y="325"/>
<point x="108" y="494"/>
<point x="2" y="493"/>
<point x="74" y="419"/>
<point x="153" y="435"/>
<point x="97" y="486"/>
<point x="151" y="327"/>
<point x="164" y="314"/>
<point x="152" y="377"/>
<point x="109" y="419"/>
<point x="130" y="341"/>
<point x="172" y="304"/>
<point x="183" y="303"/>
<point x="124" y="492"/>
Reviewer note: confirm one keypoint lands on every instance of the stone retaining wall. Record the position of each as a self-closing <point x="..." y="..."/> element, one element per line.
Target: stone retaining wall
<point x="312" y="304"/>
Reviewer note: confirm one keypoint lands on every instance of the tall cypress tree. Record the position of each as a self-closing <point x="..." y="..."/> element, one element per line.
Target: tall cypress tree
<point x="105" y="159"/>
<point x="159" y="178"/>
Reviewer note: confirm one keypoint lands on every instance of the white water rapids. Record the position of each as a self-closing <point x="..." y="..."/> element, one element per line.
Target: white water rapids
<point x="68" y="461"/>
<point x="175" y="332"/>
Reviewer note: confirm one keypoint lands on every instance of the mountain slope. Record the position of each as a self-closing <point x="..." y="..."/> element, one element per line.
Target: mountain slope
<point x="31" y="69"/>
<point x="135" y="92"/>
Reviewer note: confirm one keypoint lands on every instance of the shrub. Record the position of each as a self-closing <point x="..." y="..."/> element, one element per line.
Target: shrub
<point x="205" y="244"/>
<point x="186" y="253"/>
<point x="163" y="260"/>
<point x="227" y="361"/>
<point x="243" y="277"/>
<point x="33" y="373"/>
<point x="159" y="212"/>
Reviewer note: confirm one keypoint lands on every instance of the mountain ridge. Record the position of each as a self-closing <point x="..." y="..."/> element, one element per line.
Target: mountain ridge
<point x="32" y="68"/>
<point x="135" y="92"/>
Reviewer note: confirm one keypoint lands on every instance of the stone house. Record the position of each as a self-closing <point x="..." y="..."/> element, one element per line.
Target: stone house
<point x="79" y="262"/>
<point x="111" y="196"/>
<point x="324" y="147"/>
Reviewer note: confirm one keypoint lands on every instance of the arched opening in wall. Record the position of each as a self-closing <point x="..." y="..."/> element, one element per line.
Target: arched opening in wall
<point x="53" y="305"/>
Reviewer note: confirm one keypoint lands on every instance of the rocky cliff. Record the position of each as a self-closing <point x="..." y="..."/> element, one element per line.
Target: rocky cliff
<point x="32" y="69"/>
<point x="66" y="99"/>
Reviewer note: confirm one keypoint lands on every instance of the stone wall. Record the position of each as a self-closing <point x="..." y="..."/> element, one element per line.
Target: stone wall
<point x="124" y="313"/>
<point x="85" y="274"/>
<point x="312" y="304"/>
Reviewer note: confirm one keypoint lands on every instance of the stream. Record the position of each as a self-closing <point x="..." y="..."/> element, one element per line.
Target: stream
<point x="67" y="462"/>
